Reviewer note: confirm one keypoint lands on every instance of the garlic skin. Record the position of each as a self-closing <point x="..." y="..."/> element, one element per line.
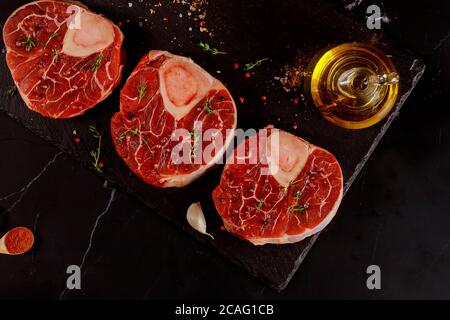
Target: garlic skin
<point x="196" y="218"/>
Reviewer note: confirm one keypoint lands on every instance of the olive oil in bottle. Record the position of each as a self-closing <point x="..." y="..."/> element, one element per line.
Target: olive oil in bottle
<point x="354" y="85"/>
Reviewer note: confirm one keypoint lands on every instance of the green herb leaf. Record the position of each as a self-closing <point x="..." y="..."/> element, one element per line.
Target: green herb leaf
<point x="193" y="133"/>
<point x="301" y="208"/>
<point x="29" y="43"/>
<point x="122" y="136"/>
<point x="260" y="204"/>
<point x="208" y="107"/>
<point x="252" y="65"/>
<point x="97" y="62"/>
<point x="142" y="91"/>
<point x="11" y="91"/>
<point x="95" y="154"/>
<point x="207" y="48"/>
<point x="55" y="53"/>
<point x="53" y="35"/>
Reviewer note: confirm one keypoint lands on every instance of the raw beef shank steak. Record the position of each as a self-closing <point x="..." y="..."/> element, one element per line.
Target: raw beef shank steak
<point x="175" y="120"/>
<point x="280" y="192"/>
<point x="64" y="59"/>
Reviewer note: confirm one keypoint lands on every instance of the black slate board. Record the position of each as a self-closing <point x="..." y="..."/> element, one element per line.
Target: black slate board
<point x="246" y="30"/>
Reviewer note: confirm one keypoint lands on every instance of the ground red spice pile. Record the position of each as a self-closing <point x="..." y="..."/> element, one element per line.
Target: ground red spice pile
<point x="19" y="240"/>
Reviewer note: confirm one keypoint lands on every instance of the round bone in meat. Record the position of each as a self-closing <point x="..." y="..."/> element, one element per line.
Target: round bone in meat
<point x="64" y="58"/>
<point x="175" y="120"/>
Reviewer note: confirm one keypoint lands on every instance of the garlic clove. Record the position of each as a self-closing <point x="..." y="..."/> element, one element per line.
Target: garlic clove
<point x="196" y="218"/>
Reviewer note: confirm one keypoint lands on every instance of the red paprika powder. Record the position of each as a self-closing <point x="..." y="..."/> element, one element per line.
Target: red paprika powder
<point x="19" y="240"/>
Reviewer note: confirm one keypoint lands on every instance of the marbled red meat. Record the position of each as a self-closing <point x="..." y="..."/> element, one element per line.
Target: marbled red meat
<point x="289" y="192"/>
<point x="164" y="95"/>
<point x="64" y="59"/>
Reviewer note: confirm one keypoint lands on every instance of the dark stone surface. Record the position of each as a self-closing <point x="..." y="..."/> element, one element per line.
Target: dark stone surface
<point x="395" y="216"/>
<point x="273" y="264"/>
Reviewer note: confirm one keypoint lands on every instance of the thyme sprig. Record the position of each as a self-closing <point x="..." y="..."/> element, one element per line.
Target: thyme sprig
<point x="53" y="35"/>
<point x="297" y="206"/>
<point x="29" y="43"/>
<point x="251" y="65"/>
<point x="142" y="91"/>
<point x="122" y="136"/>
<point x="97" y="62"/>
<point x="133" y="132"/>
<point x="208" y="107"/>
<point x="95" y="154"/>
<point x="55" y="53"/>
<point x="207" y="48"/>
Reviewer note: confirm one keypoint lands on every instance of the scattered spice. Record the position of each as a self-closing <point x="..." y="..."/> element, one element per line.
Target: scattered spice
<point x="207" y="48"/>
<point x="19" y="240"/>
<point x="198" y="13"/>
<point x="242" y="100"/>
<point x="97" y="62"/>
<point x="293" y="77"/>
<point x="95" y="154"/>
<point x="252" y="65"/>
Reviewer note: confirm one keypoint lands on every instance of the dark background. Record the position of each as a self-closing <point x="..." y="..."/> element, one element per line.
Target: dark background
<point x="396" y="215"/>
